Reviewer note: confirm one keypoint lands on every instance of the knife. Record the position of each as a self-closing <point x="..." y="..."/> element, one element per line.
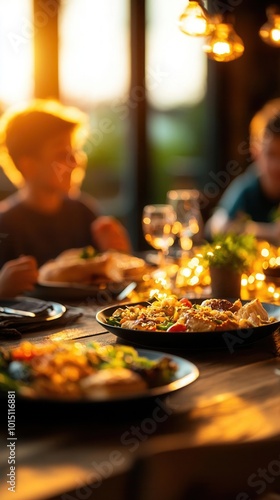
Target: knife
<point x="17" y="312"/>
<point x="126" y="291"/>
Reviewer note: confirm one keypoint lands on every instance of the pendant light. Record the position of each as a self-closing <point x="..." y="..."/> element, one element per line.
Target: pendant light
<point x="223" y="44"/>
<point x="270" y="31"/>
<point x="195" y="20"/>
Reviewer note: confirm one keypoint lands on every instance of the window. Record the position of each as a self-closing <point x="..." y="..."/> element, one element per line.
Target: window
<point x="176" y="65"/>
<point x="16" y="51"/>
<point x="94" y="51"/>
<point x="176" y="83"/>
<point x="16" y="63"/>
<point x="94" y="73"/>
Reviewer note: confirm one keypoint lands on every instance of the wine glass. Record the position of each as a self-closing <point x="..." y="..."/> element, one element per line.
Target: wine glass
<point x="157" y="224"/>
<point x="189" y="221"/>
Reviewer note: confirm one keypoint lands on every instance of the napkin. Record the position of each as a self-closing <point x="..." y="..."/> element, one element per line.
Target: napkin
<point x="12" y="326"/>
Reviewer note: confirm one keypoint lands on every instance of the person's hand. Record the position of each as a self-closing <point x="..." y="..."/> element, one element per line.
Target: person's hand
<point x="108" y="233"/>
<point x="17" y="276"/>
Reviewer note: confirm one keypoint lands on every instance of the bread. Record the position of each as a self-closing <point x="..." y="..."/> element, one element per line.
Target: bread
<point x="70" y="267"/>
<point x="130" y="266"/>
<point x="113" y="382"/>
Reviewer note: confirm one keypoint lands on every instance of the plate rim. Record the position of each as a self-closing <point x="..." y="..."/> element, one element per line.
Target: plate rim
<point x="58" y="308"/>
<point x="67" y="284"/>
<point x="77" y="291"/>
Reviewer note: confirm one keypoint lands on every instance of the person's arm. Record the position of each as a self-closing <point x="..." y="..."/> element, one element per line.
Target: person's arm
<point x="233" y="209"/>
<point x="17" y="276"/>
<point x="217" y="224"/>
<point x="108" y="233"/>
<point x="221" y="223"/>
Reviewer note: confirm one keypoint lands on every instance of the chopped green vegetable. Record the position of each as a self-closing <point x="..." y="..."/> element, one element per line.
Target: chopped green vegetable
<point x="164" y="326"/>
<point x="113" y="321"/>
<point x="88" y="252"/>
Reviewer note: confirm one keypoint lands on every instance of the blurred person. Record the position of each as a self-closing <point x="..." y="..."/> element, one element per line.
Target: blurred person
<point x="18" y="276"/>
<point x="251" y="203"/>
<point x="41" y="150"/>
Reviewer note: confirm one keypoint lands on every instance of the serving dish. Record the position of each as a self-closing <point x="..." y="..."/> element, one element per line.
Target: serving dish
<point x="227" y="339"/>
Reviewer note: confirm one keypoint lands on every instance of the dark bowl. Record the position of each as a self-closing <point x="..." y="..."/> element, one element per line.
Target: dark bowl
<point x="229" y="339"/>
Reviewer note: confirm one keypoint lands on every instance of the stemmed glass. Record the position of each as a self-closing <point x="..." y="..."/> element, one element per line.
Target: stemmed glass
<point x="157" y="224"/>
<point x="189" y="221"/>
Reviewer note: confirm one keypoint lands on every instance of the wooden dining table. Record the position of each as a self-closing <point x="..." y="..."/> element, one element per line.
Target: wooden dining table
<point x="85" y="449"/>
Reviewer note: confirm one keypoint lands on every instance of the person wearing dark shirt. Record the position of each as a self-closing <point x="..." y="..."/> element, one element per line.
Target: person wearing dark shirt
<point x="44" y="235"/>
<point x="49" y="214"/>
<point x="251" y="203"/>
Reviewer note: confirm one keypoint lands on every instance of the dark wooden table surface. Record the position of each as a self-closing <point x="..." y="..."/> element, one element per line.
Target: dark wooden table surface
<point x="59" y="450"/>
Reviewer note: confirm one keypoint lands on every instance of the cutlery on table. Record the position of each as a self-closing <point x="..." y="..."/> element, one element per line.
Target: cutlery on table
<point x="126" y="291"/>
<point x="16" y="312"/>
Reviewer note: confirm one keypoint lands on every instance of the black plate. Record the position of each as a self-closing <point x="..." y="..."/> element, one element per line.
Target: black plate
<point x="54" y="310"/>
<point x="186" y="373"/>
<point x="102" y="292"/>
<point x="230" y="339"/>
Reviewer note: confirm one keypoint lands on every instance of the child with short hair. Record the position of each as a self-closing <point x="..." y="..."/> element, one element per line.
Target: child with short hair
<point x="46" y="216"/>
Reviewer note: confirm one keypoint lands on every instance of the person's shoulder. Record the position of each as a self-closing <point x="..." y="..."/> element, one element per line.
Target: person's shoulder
<point x="244" y="186"/>
<point x="247" y="180"/>
<point x="84" y="201"/>
<point x="248" y="177"/>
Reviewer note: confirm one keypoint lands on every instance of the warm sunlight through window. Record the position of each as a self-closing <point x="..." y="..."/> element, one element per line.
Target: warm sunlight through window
<point x="94" y="53"/>
<point x="16" y="51"/>
<point x="176" y="72"/>
<point x="94" y="50"/>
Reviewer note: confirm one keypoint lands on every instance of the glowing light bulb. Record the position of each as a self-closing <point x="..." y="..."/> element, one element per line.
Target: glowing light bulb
<point x="223" y="44"/>
<point x="275" y="35"/>
<point x="221" y="48"/>
<point x="195" y="20"/>
<point x="270" y="31"/>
